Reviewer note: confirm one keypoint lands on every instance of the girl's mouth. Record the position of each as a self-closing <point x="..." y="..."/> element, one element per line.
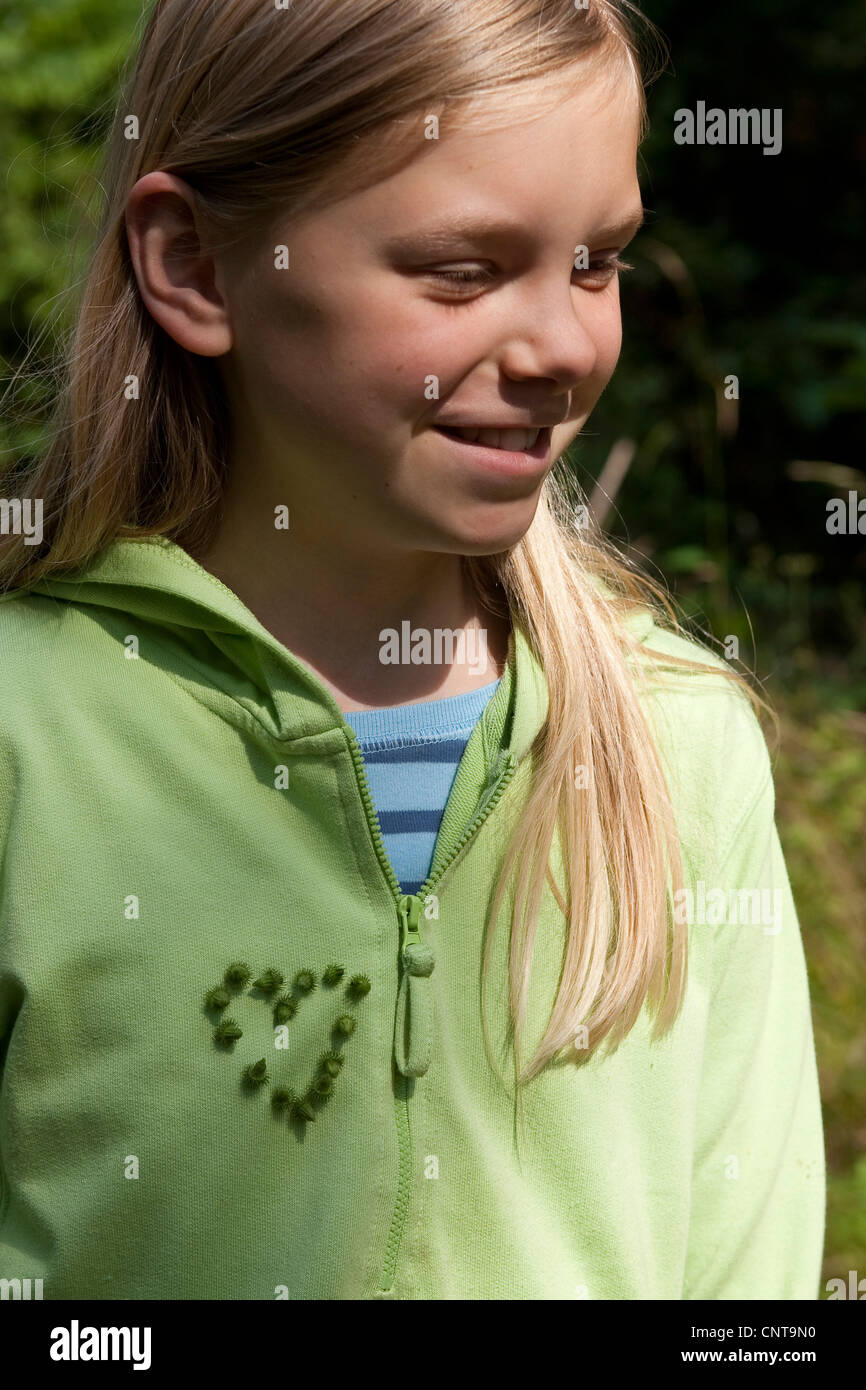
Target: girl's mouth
<point x="505" y="450"/>
<point x="513" y="440"/>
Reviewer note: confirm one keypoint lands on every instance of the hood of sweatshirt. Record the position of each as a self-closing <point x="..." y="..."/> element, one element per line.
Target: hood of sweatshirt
<point x="229" y="661"/>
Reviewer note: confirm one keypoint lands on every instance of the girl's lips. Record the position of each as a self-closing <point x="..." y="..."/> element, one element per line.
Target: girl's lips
<point x="510" y="462"/>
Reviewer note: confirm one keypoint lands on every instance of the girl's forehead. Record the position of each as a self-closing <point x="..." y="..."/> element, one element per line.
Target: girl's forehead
<point x="587" y="110"/>
<point x="596" y="83"/>
<point x="573" y="113"/>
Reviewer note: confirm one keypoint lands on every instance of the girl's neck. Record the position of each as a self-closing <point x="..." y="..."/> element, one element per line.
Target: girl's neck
<point x="376" y="630"/>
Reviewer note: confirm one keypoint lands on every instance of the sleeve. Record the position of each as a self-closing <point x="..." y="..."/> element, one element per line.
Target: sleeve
<point x="756" y="1228"/>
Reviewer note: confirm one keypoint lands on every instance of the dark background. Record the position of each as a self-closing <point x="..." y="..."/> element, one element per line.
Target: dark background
<point x="750" y="265"/>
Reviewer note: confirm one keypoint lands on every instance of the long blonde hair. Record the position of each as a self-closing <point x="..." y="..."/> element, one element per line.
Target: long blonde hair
<point x="260" y="110"/>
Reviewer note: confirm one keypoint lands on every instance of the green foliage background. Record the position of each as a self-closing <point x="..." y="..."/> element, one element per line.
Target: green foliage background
<point x="750" y="265"/>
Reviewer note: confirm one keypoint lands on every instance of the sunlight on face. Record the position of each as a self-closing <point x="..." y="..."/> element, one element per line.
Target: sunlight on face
<point x="455" y="275"/>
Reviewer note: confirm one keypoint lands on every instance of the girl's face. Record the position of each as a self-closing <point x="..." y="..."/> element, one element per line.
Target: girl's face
<point x="444" y="296"/>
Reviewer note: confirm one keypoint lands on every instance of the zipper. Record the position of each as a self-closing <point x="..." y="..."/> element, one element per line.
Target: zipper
<point x="412" y="1035"/>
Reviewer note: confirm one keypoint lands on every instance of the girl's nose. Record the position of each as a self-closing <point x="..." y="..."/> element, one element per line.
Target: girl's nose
<point x="552" y="339"/>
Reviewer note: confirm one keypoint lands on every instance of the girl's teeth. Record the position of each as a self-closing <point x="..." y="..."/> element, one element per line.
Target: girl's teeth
<point x="492" y="438"/>
<point x="517" y="439"/>
<point x="513" y="440"/>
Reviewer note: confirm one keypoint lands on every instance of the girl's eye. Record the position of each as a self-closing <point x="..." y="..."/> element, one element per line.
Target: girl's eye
<point x="602" y="272"/>
<point x="596" y="273"/>
<point x="463" y="277"/>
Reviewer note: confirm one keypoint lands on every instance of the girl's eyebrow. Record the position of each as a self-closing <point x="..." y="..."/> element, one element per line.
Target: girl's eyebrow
<point x="460" y="229"/>
<point x="475" y="229"/>
<point x="624" y="230"/>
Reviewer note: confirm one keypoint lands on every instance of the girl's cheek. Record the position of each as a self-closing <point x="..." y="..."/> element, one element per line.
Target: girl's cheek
<point x="609" y="342"/>
<point x="610" y="357"/>
<point x="420" y="359"/>
<point x="433" y="358"/>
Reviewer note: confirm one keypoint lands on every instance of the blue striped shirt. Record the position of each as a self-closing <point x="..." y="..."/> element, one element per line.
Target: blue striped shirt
<point x="411" y="754"/>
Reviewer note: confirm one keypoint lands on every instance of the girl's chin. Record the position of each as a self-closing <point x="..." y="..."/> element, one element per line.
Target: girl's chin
<point x="484" y="534"/>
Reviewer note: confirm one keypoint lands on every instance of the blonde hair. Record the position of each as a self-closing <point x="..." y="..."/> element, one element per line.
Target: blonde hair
<point x="261" y="110"/>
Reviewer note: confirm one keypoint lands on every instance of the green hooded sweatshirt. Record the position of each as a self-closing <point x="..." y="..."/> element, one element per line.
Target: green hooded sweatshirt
<point x="180" y="795"/>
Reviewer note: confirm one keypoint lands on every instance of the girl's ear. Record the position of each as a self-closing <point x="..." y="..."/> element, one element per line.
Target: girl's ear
<point x="176" y="277"/>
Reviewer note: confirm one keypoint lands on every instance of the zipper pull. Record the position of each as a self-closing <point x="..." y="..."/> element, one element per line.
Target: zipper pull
<point x="412" y="1032"/>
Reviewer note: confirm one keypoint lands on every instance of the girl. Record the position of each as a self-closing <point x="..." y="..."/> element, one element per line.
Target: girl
<point x="391" y="900"/>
